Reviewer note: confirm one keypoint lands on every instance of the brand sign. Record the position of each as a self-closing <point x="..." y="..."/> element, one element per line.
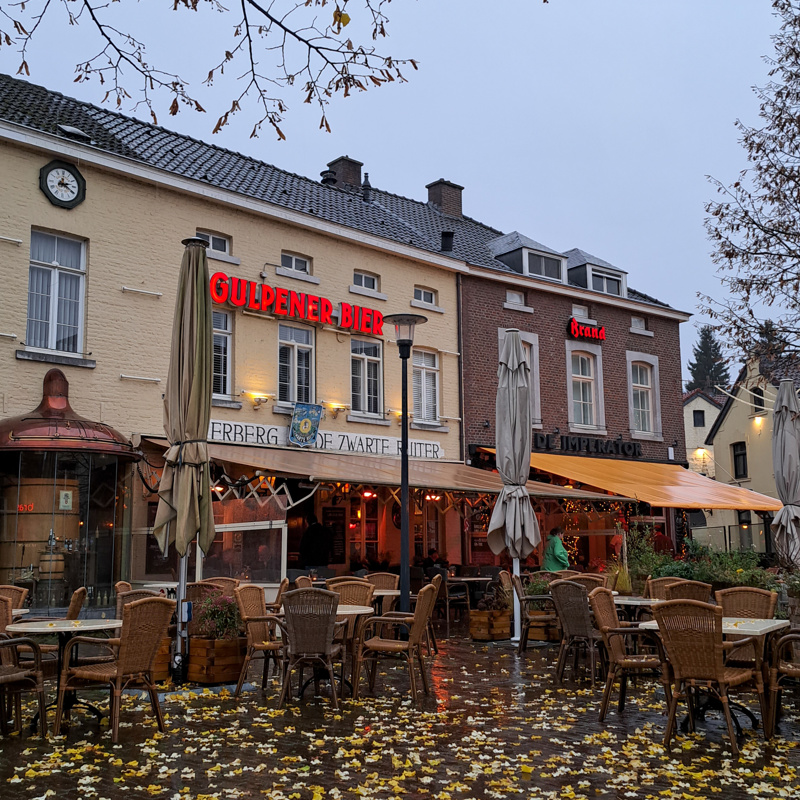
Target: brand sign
<point x="305" y="424"/>
<point x="282" y="302"/>
<point x="587" y="444"/>
<point x="578" y="331"/>
<point x="333" y="441"/>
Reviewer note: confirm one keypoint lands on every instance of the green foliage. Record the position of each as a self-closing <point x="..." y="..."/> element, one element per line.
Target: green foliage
<point x="218" y="617"/>
<point x="496" y="599"/>
<point x="792" y="583"/>
<point x="708" y="368"/>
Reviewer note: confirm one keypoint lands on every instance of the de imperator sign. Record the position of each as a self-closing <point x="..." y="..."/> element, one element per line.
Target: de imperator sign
<point x="587" y="444"/>
<point x="335" y="441"/>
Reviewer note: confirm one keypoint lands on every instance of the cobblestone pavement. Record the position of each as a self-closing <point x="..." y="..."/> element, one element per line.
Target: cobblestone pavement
<point x="495" y="726"/>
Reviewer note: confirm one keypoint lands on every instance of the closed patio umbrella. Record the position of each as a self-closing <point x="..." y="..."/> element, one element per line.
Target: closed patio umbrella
<point x="513" y="524"/>
<point x="184" y="503"/>
<point x="786" y="466"/>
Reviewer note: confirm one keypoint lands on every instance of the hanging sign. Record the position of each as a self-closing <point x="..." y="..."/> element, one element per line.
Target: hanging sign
<point x="592" y="332"/>
<point x="305" y="424"/>
<point x="282" y="302"/>
<point x="587" y="444"/>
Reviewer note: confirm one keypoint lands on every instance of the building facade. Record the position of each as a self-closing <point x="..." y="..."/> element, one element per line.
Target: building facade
<point x="700" y="411"/>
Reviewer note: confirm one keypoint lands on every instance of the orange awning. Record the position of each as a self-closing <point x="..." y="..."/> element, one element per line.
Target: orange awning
<point x="667" y="485"/>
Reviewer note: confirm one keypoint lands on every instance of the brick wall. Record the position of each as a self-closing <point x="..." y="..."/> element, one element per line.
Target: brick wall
<point x="483" y="314"/>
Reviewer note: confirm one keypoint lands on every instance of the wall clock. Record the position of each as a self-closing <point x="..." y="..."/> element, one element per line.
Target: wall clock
<point x="62" y="184"/>
<point x="396" y="516"/>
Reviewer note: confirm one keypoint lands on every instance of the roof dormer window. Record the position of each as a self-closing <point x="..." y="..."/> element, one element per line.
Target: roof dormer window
<point x="606" y="282"/>
<point x="544" y="266"/>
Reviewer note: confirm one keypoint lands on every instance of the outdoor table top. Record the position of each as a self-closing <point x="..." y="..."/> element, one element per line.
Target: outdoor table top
<point x="386" y="593"/>
<point x="161" y="585"/>
<point x="469" y="578"/>
<point x="64" y="626"/>
<point x="20" y="612"/>
<point x="627" y="600"/>
<point x="739" y="625"/>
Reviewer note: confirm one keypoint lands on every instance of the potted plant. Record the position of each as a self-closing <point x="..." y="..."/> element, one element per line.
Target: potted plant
<point x="491" y="619"/>
<point x="217" y="653"/>
<point x="544" y="632"/>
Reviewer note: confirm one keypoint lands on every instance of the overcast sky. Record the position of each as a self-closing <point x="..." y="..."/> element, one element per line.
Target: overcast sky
<point x="580" y="123"/>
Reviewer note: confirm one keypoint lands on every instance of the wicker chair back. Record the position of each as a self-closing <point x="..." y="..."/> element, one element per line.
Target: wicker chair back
<point x="692" y="636"/>
<point x="689" y="590"/>
<point x="227" y="585"/>
<point x="384" y="580"/>
<point x="283" y="587"/>
<point x="564" y="574"/>
<point x="519" y="589"/>
<point x="331" y="582"/>
<point x="303" y="582"/>
<point x="746" y="601"/>
<point x="310" y="616"/>
<point x="6" y="606"/>
<point x="589" y="581"/>
<point x="505" y="580"/>
<point x="252" y="603"/>
<point x="354" y="593"/>
<point x="123" y="598"/>
<point x="572" y="605"/>
<point x="657" y="587"/>
<point x="144" y="625"/>
<point x="16" y="594"/>
<point x="123" y="586"/>
<point x="426" y="600"/>
<point x="606" y="618"/>
<point x="76" y="603"/>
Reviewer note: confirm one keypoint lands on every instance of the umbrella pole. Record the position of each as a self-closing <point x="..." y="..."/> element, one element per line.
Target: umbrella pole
<point x="517" y="618"/>
<point x="181" y="642"/>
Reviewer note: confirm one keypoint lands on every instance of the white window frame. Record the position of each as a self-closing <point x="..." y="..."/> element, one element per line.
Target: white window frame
<point x="515" y="301"/>
<point x="421" y="371"/>
<point x="225" y="334"/>
<point x="639" y="327"/>
<point x="605" y="274"/>
<point x="365" y="360"/>
<point x="362" y="277"/>
<point x="56" y="271"/>
<point x="599" y="408"/>
<point x="294" y="347"/>
<point x="423" y="291"/>
<point x="214" y="253"/>
<point x="293" y="259"/>
<point x="532" y="342"/>
<point x="633" y="357"/>
<point x="526" y="266"/>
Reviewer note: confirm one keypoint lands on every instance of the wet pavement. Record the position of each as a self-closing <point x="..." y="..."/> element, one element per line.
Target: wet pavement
<point x="496" y="725"/>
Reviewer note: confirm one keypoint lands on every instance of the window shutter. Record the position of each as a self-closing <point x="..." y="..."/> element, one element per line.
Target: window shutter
<point x="373" y="394"/>
<point x="303" y="375"/>
<point x="431" y="401"/>
<point x="39" y="307"/>
<point x="284" y="374"/>
<point x="417" y="393"/>
<point x="356" y="365"/>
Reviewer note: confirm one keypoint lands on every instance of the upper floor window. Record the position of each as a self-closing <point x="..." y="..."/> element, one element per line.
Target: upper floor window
<point x="515" y="298"/>
<point x="366" y="280"/>
<point x="217" y="243"/>
<point x="365" y="376"/>
<point x="699" y="418"/>
<point x="296" y="263"/>
<point x="758" y="399"/>
<point x="544" y="266"/>
<point x="295" y="364"/>
<point x="639" y="323"/>
<point x="580" y="312"/>
<point x="426" y="385"/>
<point x="221" y="380"/>
<point x="56" y="293"/>
<point x="739" y="456"/>
<point x="425" y="295"/>
<point x="606" y="283"/>
<point x="583" y="389"/>
<point x="642" y="390"/>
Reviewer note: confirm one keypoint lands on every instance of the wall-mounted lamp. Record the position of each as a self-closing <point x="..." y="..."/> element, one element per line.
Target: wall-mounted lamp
<point x="335" y="408"/>
<point x="758" y="421"/>
<point x="258" y="398"/>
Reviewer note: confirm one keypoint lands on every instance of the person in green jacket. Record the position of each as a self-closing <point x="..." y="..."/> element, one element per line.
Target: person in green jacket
<point x="555" y="554"/>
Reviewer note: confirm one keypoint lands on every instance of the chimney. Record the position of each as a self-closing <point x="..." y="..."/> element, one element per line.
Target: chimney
<point x="446" y="197"/>
<point x="447" y="241"/>
<point x="366" y="189"/>
<point x="328" y="177"/>
<point x="348" y="171"/>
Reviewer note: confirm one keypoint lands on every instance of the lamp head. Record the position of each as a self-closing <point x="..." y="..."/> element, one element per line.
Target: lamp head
<point x="404" y="325"/>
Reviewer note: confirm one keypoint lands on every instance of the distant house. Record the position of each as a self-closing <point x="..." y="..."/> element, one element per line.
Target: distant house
<point x="700" y="410"/>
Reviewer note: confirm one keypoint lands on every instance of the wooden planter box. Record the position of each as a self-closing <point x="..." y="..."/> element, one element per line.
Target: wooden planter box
<point x="216" y="660"/>
<point x="542" y="633"/>
<point x="160" y="671"/>
<point x="489" y="626"/>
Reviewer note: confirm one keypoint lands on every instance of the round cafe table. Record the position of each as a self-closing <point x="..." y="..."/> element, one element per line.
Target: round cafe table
<point x="65" y="629"/>
<point x="378" y="596"/>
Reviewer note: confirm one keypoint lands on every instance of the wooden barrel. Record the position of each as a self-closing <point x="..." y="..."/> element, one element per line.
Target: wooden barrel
<point x="51" y="567"/>
<point x="30" y="512"/>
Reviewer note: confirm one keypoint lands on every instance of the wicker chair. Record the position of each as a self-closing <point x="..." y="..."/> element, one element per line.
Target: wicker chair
<point x="17" y="677"/>
<point x="410" y="650"/>
<point x="689" y="590"/>
<point x="430" y="635"/>
<point x="353" y="593"/>
<point x="504" y="578"/>
<point x="527" y="618"/>
<point x="309" y="628"/>
<point x="589" y="581"/>
<point x="622" y="661"/>
<point x="451" y="593"/>
<point x="565" y="574"/>
<point x="385" y="580"/>
<point x="544" y="575"/>
<point x="331" y="582"/>
<point x="572" y="606"/>
<point x="656" y="588"/>
<point x="692" y="635"/>
<point x="122" y="586"/>
<point x="276" y="604"/>
<point x="259" y="626"/>
<point x="745" y="601"/>
<point x="303" y="582"/>
<point x="227" y="585"/>
<point x="144" y="625"/>
<point x="50" y="650"/>
<point x="784" y="665"/>
<point x="6" y="617"/>
<point x="123" y="598"/>
<point x="16" y="594"/>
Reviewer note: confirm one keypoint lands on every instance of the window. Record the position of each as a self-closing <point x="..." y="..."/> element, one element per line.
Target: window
<point x="423" y="295"/>
<point x="544" y="266"/>
<point x="221" y="380"/>
<point x="366" y="280"/>
<point x="642" y="386"/>
<point x="758" y="399"/>
<point x="639" y="323"/>
<point x="295" y="364"/>
<point x="699" y="418"/>
<point x="580" y="312"/>
<point x="55" y="293"/>
<point x="515" y="298"/>
<point x="426" y="385"/>
<point x="608" y="284"/>
<point x="582" y="389"/>
<point x="295" y="263"/>
<point x="739" y="452"/>
<point x="365" y="376"/>
<point x="217" y="243"/>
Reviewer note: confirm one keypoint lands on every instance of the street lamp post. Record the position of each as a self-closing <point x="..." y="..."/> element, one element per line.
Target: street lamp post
<point x="404" y="325"/>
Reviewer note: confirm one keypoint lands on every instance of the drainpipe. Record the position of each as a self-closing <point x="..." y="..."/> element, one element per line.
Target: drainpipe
<point x="462" y="438"/>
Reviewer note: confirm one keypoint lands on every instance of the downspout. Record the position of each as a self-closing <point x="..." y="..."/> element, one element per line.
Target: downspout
<point x="462" y="435"/>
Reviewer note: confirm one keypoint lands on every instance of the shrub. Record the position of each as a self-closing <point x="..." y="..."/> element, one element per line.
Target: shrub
<point x="218" y="617"/>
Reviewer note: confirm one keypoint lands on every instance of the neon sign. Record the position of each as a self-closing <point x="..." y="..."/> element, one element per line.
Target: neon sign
<point x="578" y="331"/>
<point x="288" y="303"/>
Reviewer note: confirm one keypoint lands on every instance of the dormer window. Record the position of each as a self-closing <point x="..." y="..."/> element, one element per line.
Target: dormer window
<point x="606" y="282"/>
<point x="544" y="266"/>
